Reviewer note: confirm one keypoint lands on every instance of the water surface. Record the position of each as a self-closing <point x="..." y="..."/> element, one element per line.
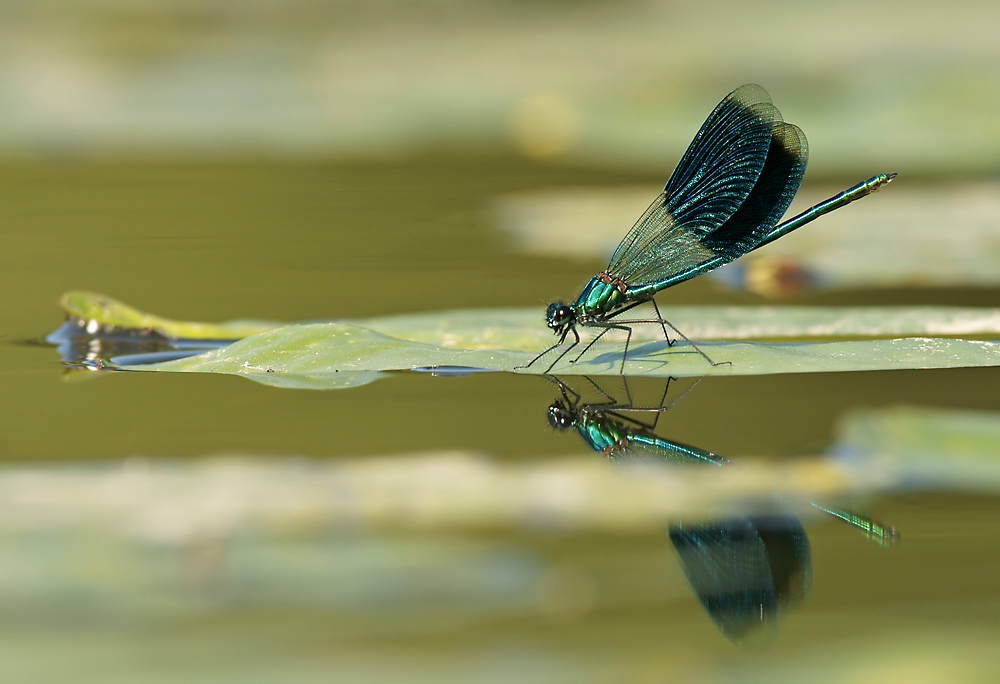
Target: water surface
<point x="306" y="241"/>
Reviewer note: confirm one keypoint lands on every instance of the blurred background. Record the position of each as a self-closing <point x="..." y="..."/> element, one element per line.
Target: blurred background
<point x="297" y="160"/>
<point x="618" y="83"/>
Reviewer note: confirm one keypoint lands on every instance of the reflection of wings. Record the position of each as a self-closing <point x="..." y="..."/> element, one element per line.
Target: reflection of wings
<point x="728" y="191"/>
<point x="743" y="571"/>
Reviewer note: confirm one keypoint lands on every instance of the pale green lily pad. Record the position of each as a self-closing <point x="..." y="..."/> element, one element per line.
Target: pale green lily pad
<point x="326" y="352"/>
<point x="98" y="311"/>
<point x="525" y="329"/>
<point x="331" y="355"/>
<point x="346" y="354"/>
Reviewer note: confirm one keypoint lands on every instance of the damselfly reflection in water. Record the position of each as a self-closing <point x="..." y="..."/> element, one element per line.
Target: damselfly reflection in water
<point x="723" y="200"/>
<point x="744" y="570"/>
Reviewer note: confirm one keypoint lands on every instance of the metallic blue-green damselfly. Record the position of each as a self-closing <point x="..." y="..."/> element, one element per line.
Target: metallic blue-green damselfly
<point x="610" y="427"/>
<point x="744" y="570"/>
<point x="723" y="200"/>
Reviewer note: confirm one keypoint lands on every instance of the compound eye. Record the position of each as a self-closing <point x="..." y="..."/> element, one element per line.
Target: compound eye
<point x="561" y="314"/>
<point x="557" y="417"/>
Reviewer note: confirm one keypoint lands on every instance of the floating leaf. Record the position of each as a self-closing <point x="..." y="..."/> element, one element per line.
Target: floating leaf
<point x="330" y="355"/>
<point x="322" y="353"/>
<point x="525" y="329"/>
<point x="346" y="354"/>
<point x="94" y="312"/>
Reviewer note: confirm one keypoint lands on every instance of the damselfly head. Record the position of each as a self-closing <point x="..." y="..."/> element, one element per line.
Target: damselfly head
<point x="561" y="416"/>
<point x="558" y="316"/>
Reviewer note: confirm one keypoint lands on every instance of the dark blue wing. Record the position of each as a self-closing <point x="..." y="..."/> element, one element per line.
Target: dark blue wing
<point x="726" y="564"/>
<point x="779" y="181"/>
<point x="728" y="191"/>
<point x="745" y="571"/>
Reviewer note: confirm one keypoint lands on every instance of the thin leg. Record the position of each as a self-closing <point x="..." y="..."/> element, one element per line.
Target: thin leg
<point x="576" y="341"/>
<point x="666" y="389"/>
<point x="661" y="408"/>
<point x="670" y="342"/>
<point x="561" y="340"/>
<point x="630" y="407"/>
<point x="630" y="419"/>
<point x="614" y="403"/>
<point x="591" y="344"/>
<point x="684" y="337"/>
<point x="611" y="402"/>
<point x="683" y="394"/>
<point x="663" y="324"/>
<point x="628" y="394"/>
<point x="619" y="312"/>
<point x="625" y="353"/>
<point x="621" y="411"/>
<point x="693" y="345"/>
<point x="565" y="390"/>
<point x="610" y="399"/>
<point x="609" y="326"/>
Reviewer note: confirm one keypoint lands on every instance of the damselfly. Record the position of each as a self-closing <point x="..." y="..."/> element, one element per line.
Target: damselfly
<point x="745" y="570"/>
<point x="724" y="199"/>
<point x="610" y="428"/>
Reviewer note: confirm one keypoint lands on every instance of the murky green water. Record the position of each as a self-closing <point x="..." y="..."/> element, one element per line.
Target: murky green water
<point x="303" y="241"/>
